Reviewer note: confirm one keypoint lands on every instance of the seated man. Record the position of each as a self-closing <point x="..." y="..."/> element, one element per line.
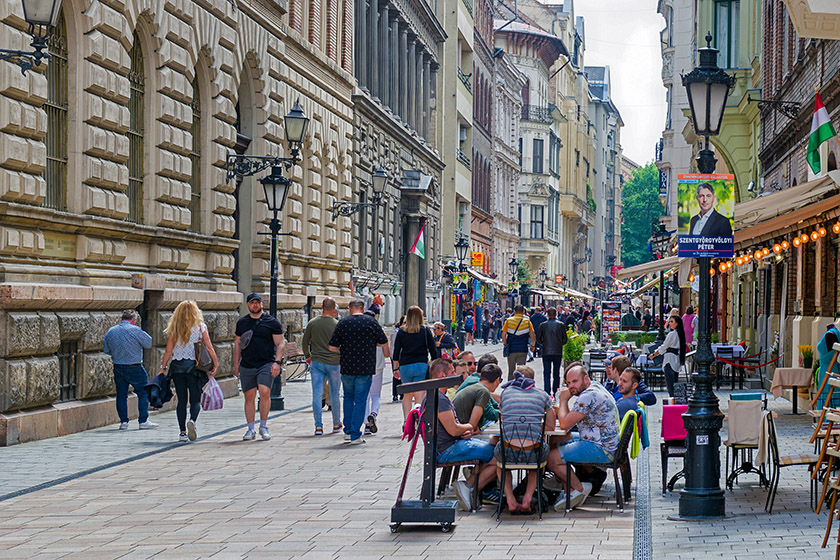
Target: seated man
<point x="491" y="411"/>
<point x="596" y="416"/>
<point x="524" y="407"/>
<point x="461" y="369"/>
<point x="628" y="382"/>
<point x="455" y="442"/>
<point x="469" y="359"/>
<point x="618" y="365"/>
<point x="471" y="402"/>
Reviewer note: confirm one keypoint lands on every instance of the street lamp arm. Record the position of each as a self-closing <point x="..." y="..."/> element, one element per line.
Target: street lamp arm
<point x="343" y="208"/>
<point x="238" y="165"/>
<point x="28" y="59"/>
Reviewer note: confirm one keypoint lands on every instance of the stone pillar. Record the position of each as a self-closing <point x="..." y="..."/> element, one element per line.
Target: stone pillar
<point x="361" y="46"/>
<point x="411" y="112"/>
<point x="432" y="105"/>
<point x="403" y="73"/>
<point x="373" y="43"/>
<point x="426" y="94"/>
<point x="382" y="54"/>
<point x="415" y="267"/>
<point x="418" y="89"/>
<point x="393" y="99"/>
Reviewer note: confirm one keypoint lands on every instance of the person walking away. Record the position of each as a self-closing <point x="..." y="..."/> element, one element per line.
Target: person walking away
<point x="585" y="323"/>
<point x="516" y="333"/>
<point x="257" y="355"/>
<point x="356" y="338"/>
<point x="486" y="325"/>
<point x="690" y="321"/>
<point x="323" y="364"/>
<point x="186" y="327"/>
<point x="125" y="343"/>
<point x="469" y="327"/>
<point x="537" y="318"/>
<point x="552" y="337"/>
<point x="414" y="347"/>
<point x="375" y="394"/>
<point x="395" y="381"/>
<point x="673" y="352"/>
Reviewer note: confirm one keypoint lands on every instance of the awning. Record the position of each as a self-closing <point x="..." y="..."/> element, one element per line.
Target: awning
<point x="482" y="278"/>
<point x="768" y="216"/>
<point x="569" y="292"/>
<point x="544" y="293"/>
<point x="655" y="281"/>
<point x="649" y="267"/>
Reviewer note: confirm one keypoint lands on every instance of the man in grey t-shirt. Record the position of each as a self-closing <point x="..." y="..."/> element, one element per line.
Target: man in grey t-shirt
<point x="323" y="364"/>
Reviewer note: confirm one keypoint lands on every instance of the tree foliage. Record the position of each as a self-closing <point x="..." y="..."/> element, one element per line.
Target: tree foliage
<point x="640" y="198"/>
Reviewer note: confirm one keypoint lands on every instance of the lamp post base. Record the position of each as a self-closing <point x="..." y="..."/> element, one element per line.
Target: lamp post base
<point x="277" y="402"/>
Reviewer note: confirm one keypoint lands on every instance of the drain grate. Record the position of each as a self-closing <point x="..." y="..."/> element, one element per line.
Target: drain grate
<point x="642" y="541"/>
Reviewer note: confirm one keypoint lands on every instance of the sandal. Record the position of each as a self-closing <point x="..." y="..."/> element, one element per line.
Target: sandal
<point x="319" y="431"/>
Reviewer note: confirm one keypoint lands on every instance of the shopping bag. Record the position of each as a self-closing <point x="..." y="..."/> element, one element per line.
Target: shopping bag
<point x="212" y="397"/>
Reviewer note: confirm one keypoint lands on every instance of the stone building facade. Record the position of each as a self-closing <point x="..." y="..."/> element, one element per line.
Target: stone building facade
<point x="113" y="191"/>
<point x="397" y="127"/>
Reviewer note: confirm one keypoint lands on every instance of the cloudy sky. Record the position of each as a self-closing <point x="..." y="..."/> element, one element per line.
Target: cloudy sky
<point x="624" y="34"/>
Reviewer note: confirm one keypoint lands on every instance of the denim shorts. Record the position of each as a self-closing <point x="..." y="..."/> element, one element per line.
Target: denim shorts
<point x="410" y="373"/>
<point x="580" y="451"/>
<point x="467" y="450"/>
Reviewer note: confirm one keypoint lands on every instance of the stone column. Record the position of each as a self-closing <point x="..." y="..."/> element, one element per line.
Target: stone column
<point x="415" y="268"/>
<point x="382" y="54"/>
<point x="426" y="94"/>
<point x="394" y="63"/>
<point x="411" y="113"/>
<point x="361" y="46"/>
<point x="373" y="50"/>
<point x="403" y="73"/>
<point x="432" y="106"/>
<point x="418" y="89"/>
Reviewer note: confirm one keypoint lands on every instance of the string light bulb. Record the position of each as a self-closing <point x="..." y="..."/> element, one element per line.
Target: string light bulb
<point x="722" y="267"/>
<point x="691" y="278"/>
<point x="822" y="231"/>
<point x="747" y="258"/>
<point x="712" y="271"/>
<point x="836" y="227"/>
<point x="765" y="251"/>
<point x="728" y="265"/>
<point x="777" y="248"/>
<point x="786" y="245"/>
<point x="815" y="235"/>
<point x="797" y="242"/>
<point x="739" y="261"/>
<point x="803" y="238"/>
<point x="758" y="254"/>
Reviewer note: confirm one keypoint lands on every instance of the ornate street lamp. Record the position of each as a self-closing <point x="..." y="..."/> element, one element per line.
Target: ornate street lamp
<point x="543" y="276"/>
<point x="378" y="180"/>
<point x="461" y="248"/>
<point x="514" y="269"/>
<point x="42" y="16"/>
<point x="276" y="188"/>
<point x="702" y="498"/>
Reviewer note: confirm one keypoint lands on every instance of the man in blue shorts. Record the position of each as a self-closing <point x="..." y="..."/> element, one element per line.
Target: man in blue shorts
<point x="596" y="416"/>
<point x="455" y="441"/>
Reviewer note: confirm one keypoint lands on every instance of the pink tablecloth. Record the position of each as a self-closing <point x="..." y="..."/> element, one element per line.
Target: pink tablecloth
<point x="790" y="377"/>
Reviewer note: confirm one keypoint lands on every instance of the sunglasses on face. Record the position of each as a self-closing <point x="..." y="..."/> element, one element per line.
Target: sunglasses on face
<point x="470" y="363"/>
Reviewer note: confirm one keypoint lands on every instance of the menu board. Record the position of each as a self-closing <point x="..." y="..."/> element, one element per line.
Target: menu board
<point x="610" y="319"/>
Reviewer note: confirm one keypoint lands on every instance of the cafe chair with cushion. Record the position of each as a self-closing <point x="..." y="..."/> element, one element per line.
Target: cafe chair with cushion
<point x="620" y="463"/>
<point x="777" y="461"/>
<point x="673" y="441"/>
<point x="512" y="450"/>
<point x="743" y="427"/>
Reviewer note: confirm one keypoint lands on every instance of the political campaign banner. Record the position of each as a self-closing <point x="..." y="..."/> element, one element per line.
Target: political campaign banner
<point x="705" y="209"/>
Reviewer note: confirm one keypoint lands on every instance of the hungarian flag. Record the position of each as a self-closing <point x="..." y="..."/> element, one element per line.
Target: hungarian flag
<point x="419" y="247"/>
<point x="821" y="130"/>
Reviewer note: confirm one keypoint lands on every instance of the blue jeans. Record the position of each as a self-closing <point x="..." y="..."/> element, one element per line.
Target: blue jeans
<point x="356" y="389"/>
<point x="580" y="451"/>
<point x="322" y="372"/>
<point x="467" y="450"/>
<point x="137" y="377"/>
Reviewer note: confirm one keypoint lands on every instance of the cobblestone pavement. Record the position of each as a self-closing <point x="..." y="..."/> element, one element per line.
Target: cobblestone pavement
<point x="110" y="494"/>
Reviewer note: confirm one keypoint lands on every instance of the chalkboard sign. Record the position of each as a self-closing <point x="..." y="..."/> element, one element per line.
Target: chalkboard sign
<point x="683" y="392"/>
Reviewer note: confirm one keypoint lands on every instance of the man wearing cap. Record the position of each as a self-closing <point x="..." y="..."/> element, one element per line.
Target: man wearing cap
<point x="257" y="354"/>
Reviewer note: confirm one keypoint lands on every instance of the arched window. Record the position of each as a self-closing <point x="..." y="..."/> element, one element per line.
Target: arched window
<point x="136" y="171"/>
<point x="832" y="161"/>
<point x="195" y="159"/>
<point x="55" y="173"/>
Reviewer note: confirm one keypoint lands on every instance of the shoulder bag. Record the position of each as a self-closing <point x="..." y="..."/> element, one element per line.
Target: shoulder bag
<point x="506" y="349"/>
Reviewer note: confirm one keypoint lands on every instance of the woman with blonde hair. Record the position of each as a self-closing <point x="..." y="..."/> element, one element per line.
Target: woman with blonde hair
<point x="414" y="347"/>
<point x="186" y="327"/>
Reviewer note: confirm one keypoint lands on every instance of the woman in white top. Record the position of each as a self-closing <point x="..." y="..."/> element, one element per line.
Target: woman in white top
<point x="185" y="328"/>
<point x="673" y="352"/>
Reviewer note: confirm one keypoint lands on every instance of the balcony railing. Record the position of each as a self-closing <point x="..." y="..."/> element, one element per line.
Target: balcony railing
<point x="469" y="5"/>
<point x="465" y="79"/>
<point x="536" y="113"/>
<point x="462" y="157"/>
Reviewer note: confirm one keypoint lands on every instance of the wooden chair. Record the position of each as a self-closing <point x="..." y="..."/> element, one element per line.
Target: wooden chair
<point x="512" y="447"/>
<point x="673" y="441"/>
<point x="621" y="462"/>
<point x="777" y="462"/>
<point x="449" y="475"/>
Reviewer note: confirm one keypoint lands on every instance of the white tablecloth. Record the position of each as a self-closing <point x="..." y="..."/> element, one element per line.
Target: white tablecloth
<point x="737" y="349"/>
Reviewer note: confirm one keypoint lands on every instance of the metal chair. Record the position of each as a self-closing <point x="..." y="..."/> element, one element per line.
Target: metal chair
<point x="513" y="447"/>
<point x="777" y="462"/>
<point x="673" y="441"/>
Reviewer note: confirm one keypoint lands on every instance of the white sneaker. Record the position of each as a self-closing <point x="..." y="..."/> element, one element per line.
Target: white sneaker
<point x="464" y="494"/>
<point x="148" y="425"/>
<point x="357" y="441"/>
<point x="346" y="438"/>
<point x="249" y="435"/>
<point x="264" y="434"/>
<point x="183" y="438"/>
<point x="123" y="425"/>
<point x="191" y="430"/>
<point x="578" y="497"/>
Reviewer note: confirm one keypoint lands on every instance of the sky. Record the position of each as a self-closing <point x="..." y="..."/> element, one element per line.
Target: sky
<point x="624" y="35"/>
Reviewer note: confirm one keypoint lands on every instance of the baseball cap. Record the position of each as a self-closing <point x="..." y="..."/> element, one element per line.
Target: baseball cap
<point x="253" y="296"/>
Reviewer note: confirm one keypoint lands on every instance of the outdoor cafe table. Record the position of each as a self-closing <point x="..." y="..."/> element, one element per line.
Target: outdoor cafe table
<point x="493" y="430"/>
<point x="791" y="378"/>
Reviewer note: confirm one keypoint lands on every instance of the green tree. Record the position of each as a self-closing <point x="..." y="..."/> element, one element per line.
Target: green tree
<point x="640" y="198"/>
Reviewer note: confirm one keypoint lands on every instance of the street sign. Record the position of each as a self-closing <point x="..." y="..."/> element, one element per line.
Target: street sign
<point x="558" y="278"/>
<point x="478" y="259"/>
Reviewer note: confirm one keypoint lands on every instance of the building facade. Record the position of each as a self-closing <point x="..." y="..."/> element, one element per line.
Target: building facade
<point x="136" y="211"/>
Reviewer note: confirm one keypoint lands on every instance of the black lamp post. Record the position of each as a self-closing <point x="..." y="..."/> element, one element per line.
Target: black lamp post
<point x="543" y="276"/>
<point x="42" y="16"/>
<point x="660" y="239"/>
<point x="378" y="179"/>
<point x="461" y="248"/>
<point x="514" y="269"/>
<point x="276" y="188"/>
<point x="702" y="498"/>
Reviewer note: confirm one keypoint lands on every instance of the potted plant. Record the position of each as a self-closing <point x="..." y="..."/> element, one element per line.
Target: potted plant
<point x="806" y="356"/>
